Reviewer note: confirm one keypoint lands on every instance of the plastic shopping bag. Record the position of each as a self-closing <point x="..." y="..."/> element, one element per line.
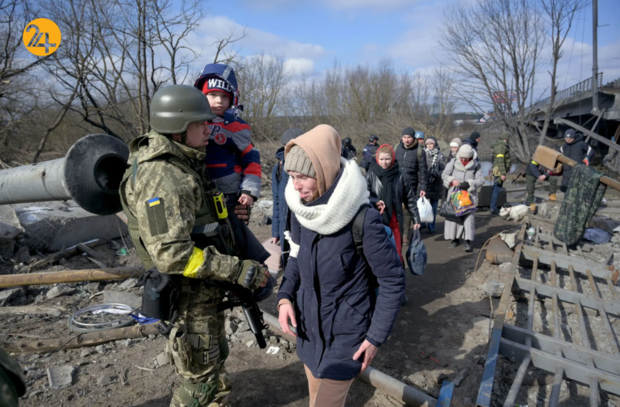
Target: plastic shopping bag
<point x="462" y="203"/>
<point x="426" y="210"/>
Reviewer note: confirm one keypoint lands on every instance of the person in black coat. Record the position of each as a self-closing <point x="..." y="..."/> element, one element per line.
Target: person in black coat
<point x="576" y="149"/>
<point x="327" y="292"/>
<point x="369" y="153"/>
<point x="473" y="140"/>
<point x="390" y="189"/>
<point x="279" y="179"/>
<point x="436" y="163"/>
<point x="411" y="161"/>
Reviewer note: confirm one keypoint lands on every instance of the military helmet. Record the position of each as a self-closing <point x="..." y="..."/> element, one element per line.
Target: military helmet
<point x="174" y="107"/>
<point x="347" y="141"/>
<point x="373" y="137"/>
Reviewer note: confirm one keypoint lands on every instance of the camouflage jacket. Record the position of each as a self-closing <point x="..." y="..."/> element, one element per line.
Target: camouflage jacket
<point x="163" y="195"/>
<point x="11" y="380"/>
<point x="501" y="158"/>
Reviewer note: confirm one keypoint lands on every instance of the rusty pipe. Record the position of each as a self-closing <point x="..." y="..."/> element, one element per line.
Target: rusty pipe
<point x="70" y="276"/>
<point x="374" y="377"/>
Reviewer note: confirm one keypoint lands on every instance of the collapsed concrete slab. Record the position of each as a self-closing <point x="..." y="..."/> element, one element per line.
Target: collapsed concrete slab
<point x="10" y="229"/>
<point x="52" y="226"/>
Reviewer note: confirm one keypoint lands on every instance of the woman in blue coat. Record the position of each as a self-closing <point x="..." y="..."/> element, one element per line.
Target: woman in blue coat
<point x="279" y="179"/>
<point x="328" y="289"/>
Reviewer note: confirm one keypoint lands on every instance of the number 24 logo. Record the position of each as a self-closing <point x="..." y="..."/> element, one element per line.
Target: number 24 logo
<point x="42" y="37"/>
<point x="36" y="38"/>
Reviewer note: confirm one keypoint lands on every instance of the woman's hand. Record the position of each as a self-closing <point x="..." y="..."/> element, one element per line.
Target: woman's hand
<point x="455" y="183"/>
<point x="381" y="207"/>
<point x="416" y="226"/>
<point x="274" y="240"/>
<point x="369" y="351"/>
<point x="286" y="312"/>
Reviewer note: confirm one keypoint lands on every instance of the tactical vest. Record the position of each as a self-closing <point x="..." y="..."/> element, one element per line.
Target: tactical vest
<point x="206" y="214"/>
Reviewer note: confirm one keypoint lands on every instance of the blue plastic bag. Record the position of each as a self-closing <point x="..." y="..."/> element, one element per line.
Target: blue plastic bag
<point x="416" y="254"/>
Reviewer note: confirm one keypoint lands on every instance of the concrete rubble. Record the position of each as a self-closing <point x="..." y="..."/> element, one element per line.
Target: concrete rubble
<point x="52" y="226"/>
<point x="60" y="377"/>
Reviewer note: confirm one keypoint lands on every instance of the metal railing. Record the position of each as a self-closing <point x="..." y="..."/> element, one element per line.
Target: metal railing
<point x="581" y="87"/>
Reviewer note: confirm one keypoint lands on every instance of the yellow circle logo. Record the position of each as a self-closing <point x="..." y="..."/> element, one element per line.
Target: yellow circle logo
<point x="41" y="37"/>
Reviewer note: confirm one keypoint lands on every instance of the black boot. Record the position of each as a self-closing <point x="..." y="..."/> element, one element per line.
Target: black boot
<point x="467" y="246"/>
<point x="454" y="243"/>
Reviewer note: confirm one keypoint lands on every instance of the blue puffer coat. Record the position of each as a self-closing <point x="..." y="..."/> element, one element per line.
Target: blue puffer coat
<point x="279" y="179"/>
<point x="336" y="307"/>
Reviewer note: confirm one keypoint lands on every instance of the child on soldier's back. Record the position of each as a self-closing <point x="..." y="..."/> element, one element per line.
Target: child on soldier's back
<point x="232" y="160"/>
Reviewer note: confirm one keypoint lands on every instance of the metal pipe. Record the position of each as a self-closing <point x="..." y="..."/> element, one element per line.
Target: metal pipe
<point x="69" y="276"/>
<point x="374" y="377"/>
<point x="90" y="174"/>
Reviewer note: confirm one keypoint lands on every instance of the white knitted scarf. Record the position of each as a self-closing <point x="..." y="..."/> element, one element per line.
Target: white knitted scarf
<point x="346" y="199"/>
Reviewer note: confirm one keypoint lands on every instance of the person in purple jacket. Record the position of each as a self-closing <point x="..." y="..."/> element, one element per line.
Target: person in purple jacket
<point x="328" y="289"/>
<point x="232" y="160"/>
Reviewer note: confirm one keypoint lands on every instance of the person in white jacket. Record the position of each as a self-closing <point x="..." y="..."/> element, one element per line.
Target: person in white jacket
<point x="463" y="172"/>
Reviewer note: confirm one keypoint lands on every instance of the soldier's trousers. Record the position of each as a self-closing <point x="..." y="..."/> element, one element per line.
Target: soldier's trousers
<point x="553" y="184"/>
<point x="198" y="347"/>
<point x="530" y="185"/>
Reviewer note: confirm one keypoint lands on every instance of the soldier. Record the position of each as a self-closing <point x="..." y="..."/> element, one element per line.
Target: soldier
<point x="12" y="383"/>
<point x="501" y="167"/>
<point x="369" y="152"/>
<point x="166" y="195"/>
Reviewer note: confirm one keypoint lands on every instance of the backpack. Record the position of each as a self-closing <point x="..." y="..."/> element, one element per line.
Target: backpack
<point x="357" y="230"/>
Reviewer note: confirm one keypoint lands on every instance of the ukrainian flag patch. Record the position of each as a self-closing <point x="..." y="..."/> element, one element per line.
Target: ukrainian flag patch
<point x="153" y="201"/>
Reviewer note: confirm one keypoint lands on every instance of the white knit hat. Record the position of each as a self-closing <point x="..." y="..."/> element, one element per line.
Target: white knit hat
<point x="465" y="152"/>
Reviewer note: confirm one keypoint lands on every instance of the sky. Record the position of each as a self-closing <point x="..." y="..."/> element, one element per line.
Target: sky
<point x="312" y="34"/>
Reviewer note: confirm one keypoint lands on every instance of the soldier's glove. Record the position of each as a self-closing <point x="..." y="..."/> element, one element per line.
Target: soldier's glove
<point x="464" y="185"/>
<point x="251" y="274"/>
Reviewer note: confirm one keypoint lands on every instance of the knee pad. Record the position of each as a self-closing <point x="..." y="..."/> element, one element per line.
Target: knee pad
<point x="194" y="394"/>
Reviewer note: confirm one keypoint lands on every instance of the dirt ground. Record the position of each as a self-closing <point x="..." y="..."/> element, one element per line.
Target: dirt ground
<point x="440" y="334"/>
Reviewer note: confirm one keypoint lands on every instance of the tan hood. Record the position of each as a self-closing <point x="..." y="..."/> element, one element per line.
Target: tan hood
<point x="322" y="145"/>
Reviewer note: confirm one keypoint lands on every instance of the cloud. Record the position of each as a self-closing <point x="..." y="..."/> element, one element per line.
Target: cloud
<point x="339" y="5"/>
<point x="299" y="66"/>
<point x="213" y="29"/>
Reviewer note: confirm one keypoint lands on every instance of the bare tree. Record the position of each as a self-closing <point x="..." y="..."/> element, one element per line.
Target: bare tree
<point x="18" y="92"/>
<point x="119" y="53"/>
<point x="560" y="15"/>
<point x="494" y="45"/>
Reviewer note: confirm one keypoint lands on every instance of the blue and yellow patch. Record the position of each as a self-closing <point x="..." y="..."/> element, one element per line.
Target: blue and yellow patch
<point x="153" y="201"/>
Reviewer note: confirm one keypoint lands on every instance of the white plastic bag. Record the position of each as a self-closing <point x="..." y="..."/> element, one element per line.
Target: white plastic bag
<point x="426" y="210"/>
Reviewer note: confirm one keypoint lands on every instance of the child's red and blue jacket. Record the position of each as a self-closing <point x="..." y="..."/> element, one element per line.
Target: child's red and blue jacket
<point x="232" y="160"/>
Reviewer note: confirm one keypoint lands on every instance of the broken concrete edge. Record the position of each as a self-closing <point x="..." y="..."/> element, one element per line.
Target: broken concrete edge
<point x="376" y="378"/>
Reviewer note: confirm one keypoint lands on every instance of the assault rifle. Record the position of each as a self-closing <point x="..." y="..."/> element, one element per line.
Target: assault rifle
<point x="240" y="296"/>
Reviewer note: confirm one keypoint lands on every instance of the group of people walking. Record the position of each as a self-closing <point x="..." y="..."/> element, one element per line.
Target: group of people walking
<point x="188" y="189"/>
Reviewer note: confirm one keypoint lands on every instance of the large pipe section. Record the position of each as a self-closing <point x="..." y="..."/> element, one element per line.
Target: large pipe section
<point x="90" y="174"/>
<point x="374" y="377"/>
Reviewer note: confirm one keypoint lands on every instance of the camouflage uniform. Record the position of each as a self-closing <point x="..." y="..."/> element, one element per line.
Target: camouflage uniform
<point x="165" y="193"/>
<point x="11" y="381"/>
<point x="501" y="166"/>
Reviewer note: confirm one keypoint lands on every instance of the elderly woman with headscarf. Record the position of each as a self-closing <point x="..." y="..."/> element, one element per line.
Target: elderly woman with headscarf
<point x="463" y="173"/>
<point x="328" y="288"/>
<point x="435" y="162"/>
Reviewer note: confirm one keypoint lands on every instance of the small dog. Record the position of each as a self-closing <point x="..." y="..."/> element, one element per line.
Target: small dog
<point x="516" y="213"/>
